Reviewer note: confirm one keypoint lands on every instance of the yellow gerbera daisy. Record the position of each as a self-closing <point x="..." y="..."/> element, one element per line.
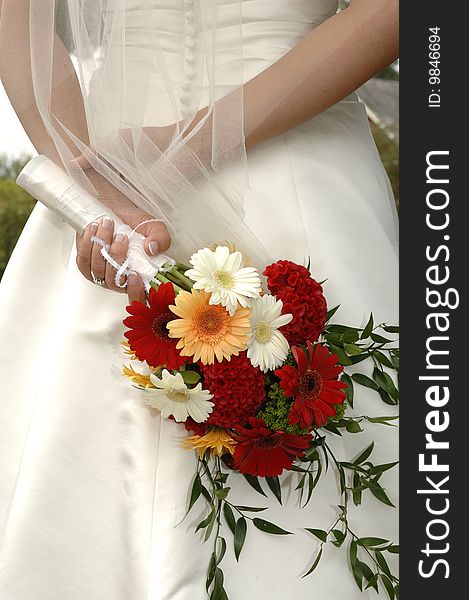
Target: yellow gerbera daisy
<point x="138" y="378"/>
<point x="216" y="441"/>
<point x="208" y="331"/>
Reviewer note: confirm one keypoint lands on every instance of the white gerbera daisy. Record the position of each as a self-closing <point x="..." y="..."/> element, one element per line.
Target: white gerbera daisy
<point x="171" y="396"/>
<point x="223" y="274"/>
<point x="267" y="346"/>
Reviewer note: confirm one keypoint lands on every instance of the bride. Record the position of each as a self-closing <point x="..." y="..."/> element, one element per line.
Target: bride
<point x="220" y="120"/>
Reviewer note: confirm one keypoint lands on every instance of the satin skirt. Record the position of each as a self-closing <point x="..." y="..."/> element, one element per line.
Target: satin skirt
<point x="93" y="482"/>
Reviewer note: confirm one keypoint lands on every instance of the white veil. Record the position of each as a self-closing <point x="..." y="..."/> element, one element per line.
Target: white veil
<point x="151" y="93"/>
<point x="161" y="116"/>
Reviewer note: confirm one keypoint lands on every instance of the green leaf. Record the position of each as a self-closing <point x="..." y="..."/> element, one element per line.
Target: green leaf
<point x="359" y="358"/>
<point x="395" y="361"/>
<point x="372" y="541"/>
<point x="339" y="537"/>
<point x="222" y="493"/>
<point x="195" y="491"/>
<point x="222" y="550"/>
<point x="364" y="455"/>
<point x="353" y="426"/>
<point x="355" y="564"/>
<point x="386" y="398"/>
<point x="391" y="328"/>
<point x="365" y="380"/>
<point x="229" y="517"/>
<point x="373" y="582"/>
<point x="382" y="420"/>
<point x="315" y="563"/>
<point x="274" y="485"/>
<point x="350" y="336"/>
<point x="396" y="591"/>
<point x="269" y="527"/>
<point x="353" y="467"/>
<point x="218" y="592"/>
<point x="394" y="549"/>
<point x="385" y="382"/>
<point x="381" y="495"/>
<point x="382" y="563"/>
<point x="250" y="508"/>
<point x="190" y="377"/>
<point x="254" y="483"/>
<point x="356" y="490"/>
<point x="379" y="339"/>
<point x="352" y="349"/>
<point x="365" y="569"/>
<point x="239" y="536"/>
<point x="388" y="586"/>
<point x="330" y="313"/>
<point x="368" y="328"/>
<point x="382" y="468"/>
<point x="349" y="389"/>
<point x="319" y="533"/>
<point x="343" y="359"/>
<point x="383" y="359"/>
<point x="206" y="522"/>
<point x="212" y="565"/>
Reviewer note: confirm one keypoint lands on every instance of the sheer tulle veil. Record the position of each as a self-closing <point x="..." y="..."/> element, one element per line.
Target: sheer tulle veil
<point x="167" y="130"/>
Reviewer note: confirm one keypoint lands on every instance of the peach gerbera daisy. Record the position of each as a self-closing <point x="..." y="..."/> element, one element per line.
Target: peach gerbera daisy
<point x="207" y="331"/>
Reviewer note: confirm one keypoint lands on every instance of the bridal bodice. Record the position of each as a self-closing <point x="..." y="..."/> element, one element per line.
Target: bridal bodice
<point x="172" y="47"/>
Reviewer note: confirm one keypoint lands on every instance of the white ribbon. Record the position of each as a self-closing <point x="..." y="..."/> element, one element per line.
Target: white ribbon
<point x="49" y="184"/>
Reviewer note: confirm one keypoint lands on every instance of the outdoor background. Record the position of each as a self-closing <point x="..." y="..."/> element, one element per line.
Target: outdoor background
<point x="380" y="94"/>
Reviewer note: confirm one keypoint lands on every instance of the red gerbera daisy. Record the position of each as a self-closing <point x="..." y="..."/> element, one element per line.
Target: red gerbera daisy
<point x="148" y="335"/>
<point x="263" y="452"/>
<point x="314" y="385"/>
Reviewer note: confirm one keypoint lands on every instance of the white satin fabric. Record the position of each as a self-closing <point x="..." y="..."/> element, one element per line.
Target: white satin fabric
<point x="93" y="482"/>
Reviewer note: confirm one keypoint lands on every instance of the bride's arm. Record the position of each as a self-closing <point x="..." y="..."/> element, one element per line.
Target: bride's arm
<point x="337" y="57"/>
<point x="328" y="64"/>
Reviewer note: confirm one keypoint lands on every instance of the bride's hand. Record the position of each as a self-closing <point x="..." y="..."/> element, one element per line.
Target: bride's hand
<point x="89" y="259"/>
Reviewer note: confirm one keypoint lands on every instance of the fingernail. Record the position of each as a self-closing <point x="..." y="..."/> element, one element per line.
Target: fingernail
<point x="132" y="278"/>
<point x="119" y="237"/>
<point x="94" y="228"/>
<point x="107" y="223"/>
<point x="153" y="247"/>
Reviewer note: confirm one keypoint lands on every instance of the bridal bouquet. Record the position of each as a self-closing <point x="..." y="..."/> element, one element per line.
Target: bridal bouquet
<point x="256" y="373"/>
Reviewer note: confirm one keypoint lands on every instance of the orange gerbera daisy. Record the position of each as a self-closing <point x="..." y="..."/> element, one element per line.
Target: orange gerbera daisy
<point x="207" y="331"/>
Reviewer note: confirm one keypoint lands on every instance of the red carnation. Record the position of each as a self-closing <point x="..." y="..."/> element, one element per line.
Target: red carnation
<point x="302" y="296"/>
<point x="238" y="390"/>
<point x="314" y="385"/>
<point x="263" y="452"/>
<point x="148" y="335"/>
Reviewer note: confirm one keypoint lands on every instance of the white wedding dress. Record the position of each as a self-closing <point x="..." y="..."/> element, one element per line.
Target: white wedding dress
<point x="93" y="482"/>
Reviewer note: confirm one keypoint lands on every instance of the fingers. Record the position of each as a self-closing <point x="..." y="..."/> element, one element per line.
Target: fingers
<point x="157" y="238"/>
<point x="104" y="232"/>
<point x="117" y="251"/>
<point x="135" y="288"/>
<point x="84" y="249"/>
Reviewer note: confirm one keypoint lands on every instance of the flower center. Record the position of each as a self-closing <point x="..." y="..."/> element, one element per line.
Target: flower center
<point x="263" y="332"/>
<point x="270" y="442"/>
<point x="209" y="322"/>
<point x="225" y="279"/>
<point x="178" y="395"/>
<point x="310" y="385"/>
<point x="159" y="326"/>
